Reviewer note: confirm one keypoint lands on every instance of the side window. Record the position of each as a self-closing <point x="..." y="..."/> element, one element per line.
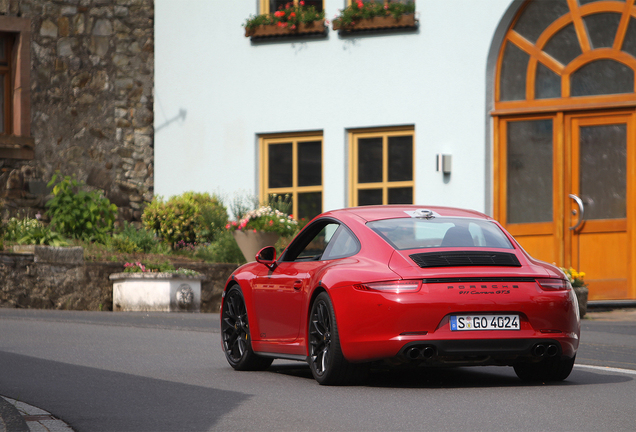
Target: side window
<point x="311" y="245"/>
<point x="344" y="244"/>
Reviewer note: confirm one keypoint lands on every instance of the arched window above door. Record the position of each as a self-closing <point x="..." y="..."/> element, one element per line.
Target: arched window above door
<point x="568" y="53"/>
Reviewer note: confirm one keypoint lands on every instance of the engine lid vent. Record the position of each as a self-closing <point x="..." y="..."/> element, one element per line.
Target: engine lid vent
<point x="465" y="259"/>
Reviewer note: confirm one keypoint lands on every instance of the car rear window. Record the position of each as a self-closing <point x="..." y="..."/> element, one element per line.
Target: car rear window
<point x="418" y="233"/>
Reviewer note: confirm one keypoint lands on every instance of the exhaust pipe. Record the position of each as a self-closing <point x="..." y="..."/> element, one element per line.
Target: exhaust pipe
<point x="552" y="350"/>
<point x="538" y="350"/>
<point x="413" y="353"/>
<point x="428" y="352"/>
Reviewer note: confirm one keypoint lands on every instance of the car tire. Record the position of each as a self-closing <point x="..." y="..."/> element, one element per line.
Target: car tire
<point x="550" y="369"/>
<point x="235" y="333"/>
<point x="326" y="361"/>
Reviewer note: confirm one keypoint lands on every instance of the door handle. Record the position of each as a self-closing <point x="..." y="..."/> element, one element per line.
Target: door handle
<point x="579" y="203"/>
<point x="298" y="285"/>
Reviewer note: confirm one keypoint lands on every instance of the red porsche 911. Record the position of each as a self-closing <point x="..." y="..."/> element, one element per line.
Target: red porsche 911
<point x="427" y="286"/>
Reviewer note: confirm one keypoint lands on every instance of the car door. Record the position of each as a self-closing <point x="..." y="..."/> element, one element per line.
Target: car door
<point x="279" y="292"/>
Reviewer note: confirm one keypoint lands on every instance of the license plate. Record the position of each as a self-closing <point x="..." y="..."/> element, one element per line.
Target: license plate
<point x="484" y="322"/>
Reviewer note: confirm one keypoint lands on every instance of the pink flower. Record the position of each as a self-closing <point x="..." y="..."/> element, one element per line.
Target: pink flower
<point x="293" y="27"/>
<point x="302" y="3"/>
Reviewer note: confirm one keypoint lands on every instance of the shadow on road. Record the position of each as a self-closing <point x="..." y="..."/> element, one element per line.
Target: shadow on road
<point x="94" y="399"/>
<point x="460" y="377"/>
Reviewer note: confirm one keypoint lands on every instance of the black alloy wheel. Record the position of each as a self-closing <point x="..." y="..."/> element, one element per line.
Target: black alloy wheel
<point x="326" y="361"/>
<point x="235" y="331"/>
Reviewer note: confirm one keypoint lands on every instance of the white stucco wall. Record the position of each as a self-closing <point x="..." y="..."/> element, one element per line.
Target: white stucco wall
<point x="232" y="90"/>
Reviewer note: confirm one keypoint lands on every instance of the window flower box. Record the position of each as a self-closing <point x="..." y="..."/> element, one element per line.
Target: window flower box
<point x="273" y="30"/>
<point x="159" y="292"/>
<point x="377" y="23"/>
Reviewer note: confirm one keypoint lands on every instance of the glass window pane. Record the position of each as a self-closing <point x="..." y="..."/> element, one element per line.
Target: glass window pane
<point x="603" y="171"/>
<point x="369" y="197"/>
<point x="280" y="169"/>
<point x="538" y="15"/>
<point x="564" y="46"/>
<point x="602" y="77"/>
<point x="309" y="205"/>
<point x="401" y="195"/>
<point x="401" y="158"/>
<point x="529" y="195"/>
<point x="2" y="110"/>
<point x="310" y="163"/>
<point x="315" y="3"/>
<point x="584" y="2"/>
<point x="513" y="73"/>
<point x="629" y="43"/>
<point x="275" y="5"/>
<point x="602" y="28"/>
<point x="548" y="83"/>
<point x="369" y="160"/>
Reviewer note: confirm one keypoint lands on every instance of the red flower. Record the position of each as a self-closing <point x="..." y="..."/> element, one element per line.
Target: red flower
<point x="360" y="4"/>
<point x="302" y="3"/>
<point x="279" y="14"/>
<point x="288" y="5"/>
<point x="293" y="27"/>
<point x="293" y="14"/>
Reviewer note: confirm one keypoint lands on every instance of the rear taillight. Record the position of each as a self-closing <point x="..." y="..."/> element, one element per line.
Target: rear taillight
<point x="553" y="284"/>
<point x="396" y="286"/>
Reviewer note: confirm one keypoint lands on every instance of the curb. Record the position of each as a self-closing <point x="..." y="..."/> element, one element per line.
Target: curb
<point x="16" y="416"/>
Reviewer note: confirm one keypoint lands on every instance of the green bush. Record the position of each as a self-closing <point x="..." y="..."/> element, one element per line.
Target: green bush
<point x="42" y="235"/>
<point x="188" y="218"/>
<point x="15" y="228"/>
<point x="223" y="250"/>
<point x="133" y="240"/>
<point x="77" y="213"/>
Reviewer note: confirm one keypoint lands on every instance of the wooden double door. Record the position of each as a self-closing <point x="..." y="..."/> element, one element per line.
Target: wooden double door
<point x="565" y="188"/>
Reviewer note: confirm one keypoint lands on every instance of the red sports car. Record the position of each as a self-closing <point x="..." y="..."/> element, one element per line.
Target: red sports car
<point x="429" y="286"/>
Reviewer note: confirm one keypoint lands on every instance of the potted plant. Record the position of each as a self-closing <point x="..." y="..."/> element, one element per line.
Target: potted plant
<point x="579" y="286"/>
<point x="156" y="288"/>
<point x="375" y="15"/>
<point x="291" y="20"/>
<point x="259" y="228"/>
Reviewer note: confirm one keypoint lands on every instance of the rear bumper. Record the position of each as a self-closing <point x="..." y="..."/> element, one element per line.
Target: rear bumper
<point x="375" y="325"/>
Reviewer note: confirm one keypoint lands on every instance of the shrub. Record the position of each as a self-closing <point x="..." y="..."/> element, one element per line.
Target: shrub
<point x="223" y="250"/>
<point x="77" y="213"/>
<point x="15" y="228"/>
<point x="186" y="218"/>
<point x="133" y="240"/>
<point x="42" y="235"/>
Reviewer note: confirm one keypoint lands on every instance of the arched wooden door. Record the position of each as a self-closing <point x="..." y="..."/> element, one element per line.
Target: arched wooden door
<point x="565" y="137"/>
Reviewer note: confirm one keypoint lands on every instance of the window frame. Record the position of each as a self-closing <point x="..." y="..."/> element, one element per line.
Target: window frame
<point x="16" y="142"/>
<point x="354" y="136"/>
<point x="294" y="138"/>
<point x="263" y="6"/>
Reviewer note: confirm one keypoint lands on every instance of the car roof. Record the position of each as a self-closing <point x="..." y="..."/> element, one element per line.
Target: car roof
<point x="378" y="212"/>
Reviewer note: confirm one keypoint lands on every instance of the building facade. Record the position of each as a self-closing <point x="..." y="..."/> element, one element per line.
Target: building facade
<point x="522" y="109"/>
<point x="76" y="83"/>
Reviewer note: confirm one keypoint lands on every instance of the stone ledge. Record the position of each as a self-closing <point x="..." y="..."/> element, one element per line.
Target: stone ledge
<point x="51" y="254"/>
<point x="154" y="275"/>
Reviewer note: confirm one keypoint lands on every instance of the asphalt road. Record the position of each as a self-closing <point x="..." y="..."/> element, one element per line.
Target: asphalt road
<point x="166" y="372"/>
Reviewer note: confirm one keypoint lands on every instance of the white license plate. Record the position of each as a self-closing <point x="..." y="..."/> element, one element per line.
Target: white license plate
<point x="484" y="322"/>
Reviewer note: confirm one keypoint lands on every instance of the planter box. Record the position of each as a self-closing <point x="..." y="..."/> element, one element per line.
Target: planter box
<point x="161" y="292"/>
<point x="264" y="31"/>
<point x="378" y="23"/>
<point x="251" y="242"/>
<point x="581" y="296"/>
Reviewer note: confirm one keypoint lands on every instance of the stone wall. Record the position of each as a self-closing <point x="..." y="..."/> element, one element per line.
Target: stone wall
<point x="92" y="78"/>
<point x="26" y="283"/>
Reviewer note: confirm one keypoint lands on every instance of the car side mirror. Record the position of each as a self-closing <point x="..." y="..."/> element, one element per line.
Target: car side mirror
<point x="267" y="256"/>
